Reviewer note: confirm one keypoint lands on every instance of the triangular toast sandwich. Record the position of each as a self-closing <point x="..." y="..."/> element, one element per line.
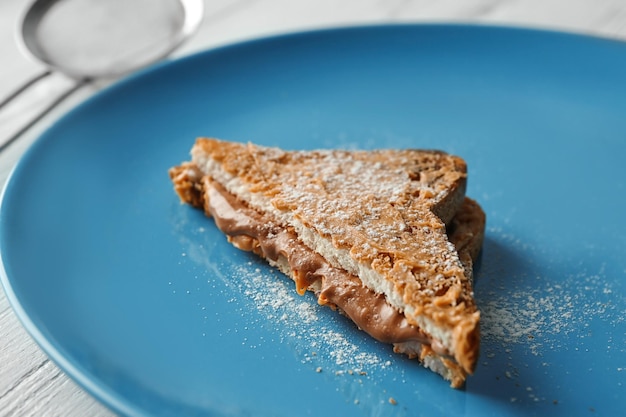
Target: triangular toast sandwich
<point x="386" y="236"/>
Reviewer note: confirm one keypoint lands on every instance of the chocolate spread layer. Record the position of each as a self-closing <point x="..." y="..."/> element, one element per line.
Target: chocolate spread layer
<point x="252" y="231"/>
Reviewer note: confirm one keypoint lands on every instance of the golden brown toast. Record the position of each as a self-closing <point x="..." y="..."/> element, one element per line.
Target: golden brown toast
<point x="364" y="230"/>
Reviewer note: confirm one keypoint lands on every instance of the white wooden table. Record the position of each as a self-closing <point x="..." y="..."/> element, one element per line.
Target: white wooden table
<point x="30" y="384"/>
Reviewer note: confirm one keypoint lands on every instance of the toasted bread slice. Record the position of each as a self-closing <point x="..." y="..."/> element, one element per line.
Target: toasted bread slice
<point x="364" y="230"/>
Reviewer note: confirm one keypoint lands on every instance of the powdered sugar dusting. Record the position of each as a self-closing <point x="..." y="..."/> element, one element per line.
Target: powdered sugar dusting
<point x="539" y="317"/>
<point x="542" y="309"/>
<point x="327" y="190"/>
<point x="299" y="321"/>
<point x="542" y="316"/>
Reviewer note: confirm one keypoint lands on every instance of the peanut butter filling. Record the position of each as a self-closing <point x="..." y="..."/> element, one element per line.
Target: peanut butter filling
<point x="249" y="230"/>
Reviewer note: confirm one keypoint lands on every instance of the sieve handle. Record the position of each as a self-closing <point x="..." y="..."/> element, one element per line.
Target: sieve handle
<point x="41" y="114"/>
<point x="24" y="87"/>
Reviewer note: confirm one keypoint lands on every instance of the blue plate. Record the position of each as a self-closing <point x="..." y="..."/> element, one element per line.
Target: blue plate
<point x="142" y="301"/>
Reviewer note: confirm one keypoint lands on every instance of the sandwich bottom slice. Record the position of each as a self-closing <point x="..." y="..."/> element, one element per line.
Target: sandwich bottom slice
<point x="385" y="237"/>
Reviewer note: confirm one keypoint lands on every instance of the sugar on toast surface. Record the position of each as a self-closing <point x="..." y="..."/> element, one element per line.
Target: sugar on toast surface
<point x="378" y="215"/>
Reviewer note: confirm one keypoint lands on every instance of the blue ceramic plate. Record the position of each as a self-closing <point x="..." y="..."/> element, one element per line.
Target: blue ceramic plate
<point x="143" y="302"/>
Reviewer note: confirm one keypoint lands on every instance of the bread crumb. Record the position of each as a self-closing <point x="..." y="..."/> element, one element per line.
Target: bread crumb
<point x="392" y="401"/>
<point x="318" y="369"/>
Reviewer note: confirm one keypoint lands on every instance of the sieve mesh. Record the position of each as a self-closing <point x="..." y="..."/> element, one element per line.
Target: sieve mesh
<point x="98" y="38"/>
